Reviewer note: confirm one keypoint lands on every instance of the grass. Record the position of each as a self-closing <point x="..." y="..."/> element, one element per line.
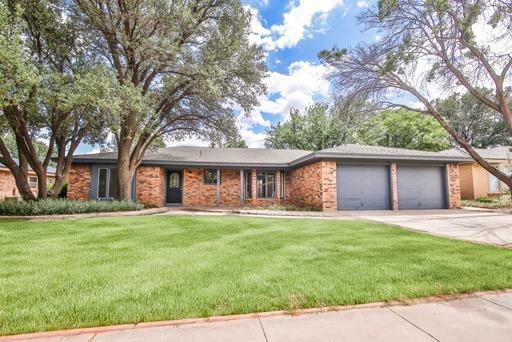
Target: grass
<point x="94" y="272"/>
<point x="499" y="202"/>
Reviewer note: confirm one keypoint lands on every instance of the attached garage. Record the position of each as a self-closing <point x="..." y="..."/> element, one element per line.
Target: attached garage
<point x="421" y="187"/>
<point x="363" y="187"/>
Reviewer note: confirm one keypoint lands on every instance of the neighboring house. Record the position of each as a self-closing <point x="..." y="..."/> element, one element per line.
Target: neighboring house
<point x="475" y="181"/>
<point x="346" y="177"/>
<point x="8" y="187"/>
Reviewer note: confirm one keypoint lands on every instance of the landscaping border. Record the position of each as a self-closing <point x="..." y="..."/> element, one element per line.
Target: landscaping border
<point x="142" y="212"/>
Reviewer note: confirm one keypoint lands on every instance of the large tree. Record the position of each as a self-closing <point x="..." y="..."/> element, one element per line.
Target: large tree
<point x="404" y="129"/>
<point x="428" y="47"/>
<point x="52" y="91"/>
<point x="183" y="66"/>
<point x="320" y="126"/>
<point x="478" y="124"/>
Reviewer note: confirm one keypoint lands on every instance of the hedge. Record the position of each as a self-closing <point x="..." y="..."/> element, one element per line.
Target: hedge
<point x="64" y="207"/>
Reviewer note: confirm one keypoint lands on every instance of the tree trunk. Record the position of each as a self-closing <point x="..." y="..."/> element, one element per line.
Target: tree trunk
<point x="42" y="185"/>
<point x="124" y="172"/>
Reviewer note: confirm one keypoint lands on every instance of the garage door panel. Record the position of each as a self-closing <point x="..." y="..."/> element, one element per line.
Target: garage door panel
<point x="363" y="187"/>
<point x="421" y="187"/>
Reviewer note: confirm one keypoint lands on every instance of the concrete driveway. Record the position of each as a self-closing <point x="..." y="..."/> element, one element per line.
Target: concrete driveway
<point x="477" y="226"/>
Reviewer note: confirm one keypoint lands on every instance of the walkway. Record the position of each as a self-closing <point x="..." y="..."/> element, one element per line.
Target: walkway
<point x="483" y="317"/>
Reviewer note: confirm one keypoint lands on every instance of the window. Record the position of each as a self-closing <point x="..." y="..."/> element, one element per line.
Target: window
<point x="107" y="183"/>
<point x="102" y="183"/>
<point x="174" y="180"/>
<point x="247" y="184"/>
<point x="32" y="182"/>
<point x="210" y="176"/>
<point x="266" y="185"/>
<point x="281" y="184"/>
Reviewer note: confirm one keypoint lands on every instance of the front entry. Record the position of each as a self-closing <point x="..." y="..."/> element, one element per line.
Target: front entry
<point x="174" y="187"/>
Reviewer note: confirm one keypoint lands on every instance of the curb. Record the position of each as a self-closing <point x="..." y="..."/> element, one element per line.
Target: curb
<point x="214" y="319"/>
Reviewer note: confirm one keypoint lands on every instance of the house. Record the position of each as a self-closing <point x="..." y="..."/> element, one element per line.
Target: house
<point x="348" y="177"/>
<point x="475" y="181"/>
<point x="8" y="187"/>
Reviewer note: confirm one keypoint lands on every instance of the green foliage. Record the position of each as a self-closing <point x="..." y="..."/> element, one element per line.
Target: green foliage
<point x="499" y="202"/>
<point x="285" y="207"/>
<point x="404" y="129"/>
<point x="18" y="76"/>
<point x="318" y="128"/>
<point x="10" y="143"/>
<point x="478" y="124"/>
<point x="64" y="207"/>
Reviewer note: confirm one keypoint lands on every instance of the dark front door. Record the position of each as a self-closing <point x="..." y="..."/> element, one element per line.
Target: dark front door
<point x="174" y="186"/>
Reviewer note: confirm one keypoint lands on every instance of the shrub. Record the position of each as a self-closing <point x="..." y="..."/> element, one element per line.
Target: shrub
<point x="63" y="207"/>
<point x="286" y="207"/>
<point x="500" y="202"/>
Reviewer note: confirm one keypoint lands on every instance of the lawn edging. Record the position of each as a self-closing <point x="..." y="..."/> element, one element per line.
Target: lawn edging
<point x="214" y="319"/>
<point x="142" y="212"/>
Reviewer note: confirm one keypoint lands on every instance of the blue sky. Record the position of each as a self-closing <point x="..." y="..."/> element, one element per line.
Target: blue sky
<point x="292" y="32"/>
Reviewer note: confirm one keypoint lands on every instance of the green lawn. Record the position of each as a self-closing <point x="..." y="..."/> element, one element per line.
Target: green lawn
<point x="68" y="274"/>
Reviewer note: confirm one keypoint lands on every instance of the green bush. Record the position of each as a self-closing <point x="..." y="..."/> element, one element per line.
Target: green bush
<point x="499" y="202"/>
<point x="285" y="207"/>
<point x="63" y="207"/>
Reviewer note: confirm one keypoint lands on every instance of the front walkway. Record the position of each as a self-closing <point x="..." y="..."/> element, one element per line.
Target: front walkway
<point x="480" y="317"/>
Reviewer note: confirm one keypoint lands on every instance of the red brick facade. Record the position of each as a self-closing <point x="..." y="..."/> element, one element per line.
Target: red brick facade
<point x="312" y="185"/>
<point x="7" y="185"/>
<point x="79" y="182"/>
<point x="453" y="181"/>
<point x="150" y="181"/>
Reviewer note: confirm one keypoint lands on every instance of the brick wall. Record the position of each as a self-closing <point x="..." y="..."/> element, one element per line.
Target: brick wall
<point x="79" y="182"/>
<point x="313" y="185"/>
<point x="453" y="180"/>
<point x="151" y="186"/>
<point x="7" y="185"/>
<point x="195" y="192"/>
<point x="230" y="188"/>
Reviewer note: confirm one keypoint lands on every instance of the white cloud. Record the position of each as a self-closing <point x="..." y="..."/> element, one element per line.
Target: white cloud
<point x="362" y="4"/>
<point x="300" y="21"/>
<point x="253" y="139"/>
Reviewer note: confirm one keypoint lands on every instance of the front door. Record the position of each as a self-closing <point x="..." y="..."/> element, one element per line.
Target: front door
<point x="174" y="186"/>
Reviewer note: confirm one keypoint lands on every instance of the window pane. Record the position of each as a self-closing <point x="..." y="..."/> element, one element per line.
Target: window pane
<point x="210" y="176"/>
<point x="271" y="188"/>
<point x="174" y="180"/>
<point x="113" y="191"/>
<point x="260" y="184"/>
<point x="102" y="183"/>
<point x="282" y="179"/>
<point x="32" y="182"/>
<point x="248" y="184"/>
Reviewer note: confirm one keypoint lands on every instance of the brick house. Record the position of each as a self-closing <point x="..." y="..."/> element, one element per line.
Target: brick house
<point x="348" y="177"/>
<point x="8" y="187"/>
<point x="475" y="181"/>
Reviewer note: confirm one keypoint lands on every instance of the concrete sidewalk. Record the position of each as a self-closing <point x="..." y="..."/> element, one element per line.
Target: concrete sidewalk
<point x="475" y="318"/>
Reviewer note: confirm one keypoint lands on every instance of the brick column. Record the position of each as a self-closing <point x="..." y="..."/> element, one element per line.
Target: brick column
<point x="253" y="186"/>
<point x="79" y="182"/>
<point x="278" y="185"/>
<point x="328" y="182"/>
<point x="394" y="186"/>
<point x="453" y="182"/>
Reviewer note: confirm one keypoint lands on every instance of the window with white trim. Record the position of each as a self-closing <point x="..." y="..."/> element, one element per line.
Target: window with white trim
<point x="266" y="184"/>
<point x="32" y="182"/>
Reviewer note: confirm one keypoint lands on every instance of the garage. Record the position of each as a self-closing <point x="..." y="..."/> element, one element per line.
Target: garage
<point x="421" y="187"/>
<point x="363" y="187"/>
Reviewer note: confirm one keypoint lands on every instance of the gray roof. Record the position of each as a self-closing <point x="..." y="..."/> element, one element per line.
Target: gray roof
<point x="50" y="169"/>
<point x="190" y="155"/>
<point x="245" y="157"/>
<point x="499" y="152"/>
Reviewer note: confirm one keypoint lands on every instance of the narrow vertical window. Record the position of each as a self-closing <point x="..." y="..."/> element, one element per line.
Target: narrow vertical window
<point x="247" y="184"/>
<point x="102" y="183"/>
<point x="113" y="188"/>
<point x="281" y="184"/>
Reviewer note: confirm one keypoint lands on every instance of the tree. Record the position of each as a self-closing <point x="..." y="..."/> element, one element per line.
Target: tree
<point x="429" y="47"/>
<point x="478" y="124"/>
<point x="58" y="94"/>
<point x="181" y="67"/>
<point x="318" y="128"/>
<point x="404" y="129"/>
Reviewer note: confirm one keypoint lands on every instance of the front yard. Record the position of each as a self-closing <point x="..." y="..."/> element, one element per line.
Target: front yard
<point x="67" y="274"/>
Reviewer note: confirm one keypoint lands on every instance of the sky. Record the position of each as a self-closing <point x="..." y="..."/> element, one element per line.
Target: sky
<point x="292" y="32"/>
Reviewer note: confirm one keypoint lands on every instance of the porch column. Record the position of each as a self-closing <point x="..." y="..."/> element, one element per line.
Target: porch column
<point x="253" y="186"/>
<point x="394" y="187"/>
<point x="278" y="185"/>
<point x="242" y="188"/>
<point x="217" y="192"/>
